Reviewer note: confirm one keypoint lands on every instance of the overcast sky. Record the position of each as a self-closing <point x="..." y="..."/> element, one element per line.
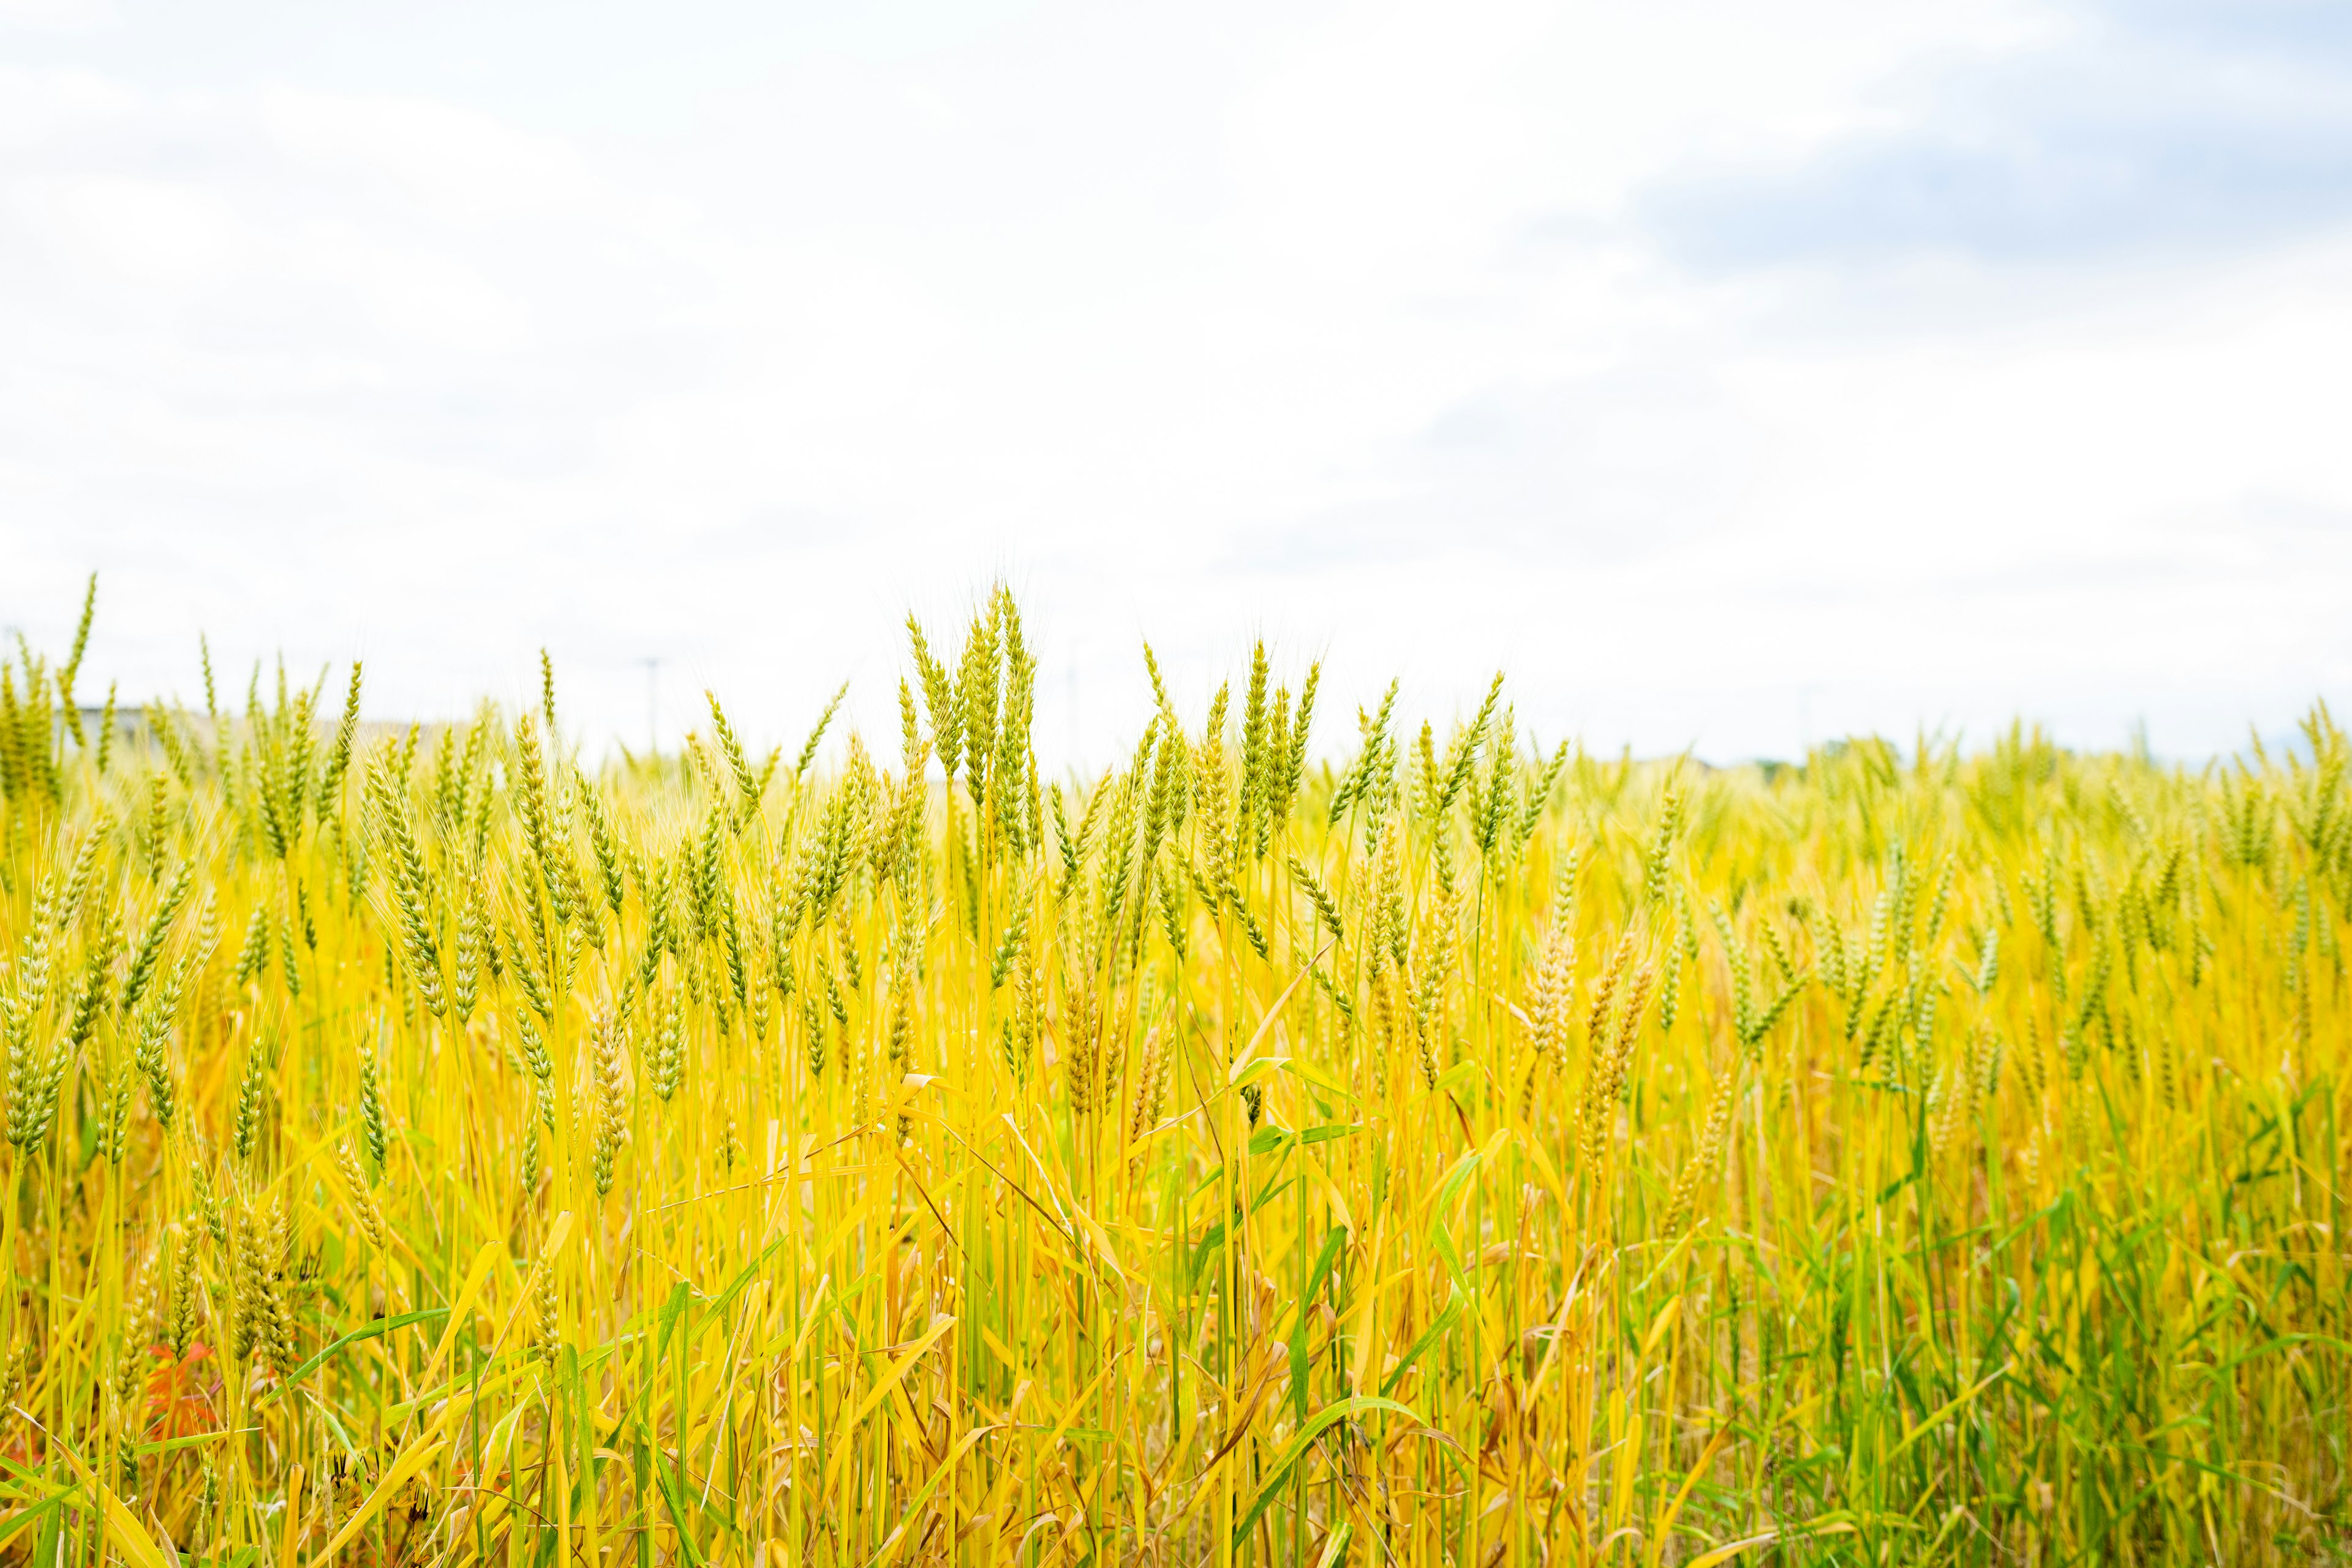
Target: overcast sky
<point x="1734" y="375"/>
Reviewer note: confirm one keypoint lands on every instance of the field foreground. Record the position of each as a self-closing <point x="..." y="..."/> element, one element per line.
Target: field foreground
<point x="428" y="1148"/>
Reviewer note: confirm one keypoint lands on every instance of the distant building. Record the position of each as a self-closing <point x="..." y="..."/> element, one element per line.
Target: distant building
<point x="130" y="724"/>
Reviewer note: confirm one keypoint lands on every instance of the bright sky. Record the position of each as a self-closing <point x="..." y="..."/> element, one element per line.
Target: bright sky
<point x="1732" y="375"/>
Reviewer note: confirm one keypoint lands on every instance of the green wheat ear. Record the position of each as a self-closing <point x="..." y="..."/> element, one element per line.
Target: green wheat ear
<point x="1271" y="1147"/>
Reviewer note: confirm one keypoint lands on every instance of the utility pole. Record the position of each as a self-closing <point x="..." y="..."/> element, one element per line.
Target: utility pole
<point x="653" y="706"/>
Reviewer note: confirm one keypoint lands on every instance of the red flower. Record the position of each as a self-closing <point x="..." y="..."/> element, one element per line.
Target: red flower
<point x="179" y="1396"/>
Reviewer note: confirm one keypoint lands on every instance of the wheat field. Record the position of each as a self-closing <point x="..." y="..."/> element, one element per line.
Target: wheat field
<point x="1319" y="1140"/>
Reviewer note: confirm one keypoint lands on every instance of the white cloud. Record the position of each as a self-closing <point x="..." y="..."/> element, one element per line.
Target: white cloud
<point x="2126" y="127"/>
<point x="453" y="164"/>
<point x="1343" y="325"/>
<point x="59" y="15"/>
<point x="139" y="233"/>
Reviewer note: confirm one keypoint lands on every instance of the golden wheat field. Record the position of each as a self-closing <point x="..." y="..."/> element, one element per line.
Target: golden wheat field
<point x="1319" y="1140"/>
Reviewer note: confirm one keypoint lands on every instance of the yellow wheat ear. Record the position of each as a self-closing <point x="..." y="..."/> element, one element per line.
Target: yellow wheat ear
<point x="1278" y="1147"/>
